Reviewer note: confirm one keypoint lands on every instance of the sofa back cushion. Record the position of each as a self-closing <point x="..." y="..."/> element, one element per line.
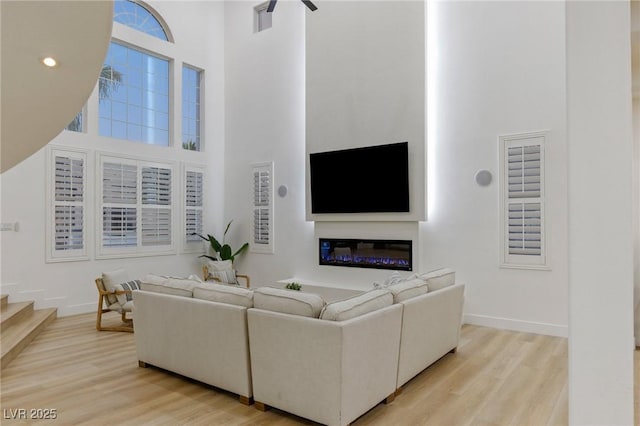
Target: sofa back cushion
<point x="288" y="301"/>
<point x="221" y="293"/>
<point x="357" y="305"/>
<point x="169" y="285"/>
<point x="440" y="278"/>
<point x="408" y="289"/>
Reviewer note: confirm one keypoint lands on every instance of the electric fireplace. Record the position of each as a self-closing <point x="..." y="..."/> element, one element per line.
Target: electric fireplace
<point x="360" y="253"/>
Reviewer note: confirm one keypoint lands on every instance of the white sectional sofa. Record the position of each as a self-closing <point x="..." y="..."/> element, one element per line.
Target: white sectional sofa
<point x="330" y="363"/>
<point x="201" y="339"/>
<point x="331" y="372"/>
<point x="430" y="329"/>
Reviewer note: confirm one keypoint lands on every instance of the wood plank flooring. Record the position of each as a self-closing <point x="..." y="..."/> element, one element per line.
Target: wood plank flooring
<point x="93" y="378"/>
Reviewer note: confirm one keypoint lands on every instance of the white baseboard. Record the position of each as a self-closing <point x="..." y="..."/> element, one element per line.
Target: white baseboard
<point x="517" y="325"/>
<point x="82" y="308"/>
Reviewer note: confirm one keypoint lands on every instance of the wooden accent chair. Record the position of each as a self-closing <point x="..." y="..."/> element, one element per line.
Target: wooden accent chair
<point x="208" y="277"/>
<point x="104" y="306"/>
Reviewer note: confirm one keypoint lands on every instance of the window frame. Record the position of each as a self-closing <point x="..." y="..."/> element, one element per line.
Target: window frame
<point x="258" y="25"/>
<point x="53" y="255"/>
<point x="139" y="250"/>
<point x="523" y="261"/>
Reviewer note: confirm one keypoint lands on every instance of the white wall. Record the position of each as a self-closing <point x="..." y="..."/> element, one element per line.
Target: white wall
<point x="600" y="230"/>
<point x="496" y="68"/>
<point x="69" y="285"/>
<point x="264" y="80"/>
<point x="636" y="213"/>
<point x="501" y="70"/>
<point x="635" y="86"/>
<point x="365" y="85"/>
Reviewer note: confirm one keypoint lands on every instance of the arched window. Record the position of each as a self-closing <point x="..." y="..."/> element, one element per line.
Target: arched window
<point x="136" y="16"/>
<point x="135" y="83"/>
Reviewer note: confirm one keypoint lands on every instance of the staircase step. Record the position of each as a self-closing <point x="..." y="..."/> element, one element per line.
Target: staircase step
<point x="4" y="299"/>
<point x="16" y="337"/>
<point x="15" y="312"/>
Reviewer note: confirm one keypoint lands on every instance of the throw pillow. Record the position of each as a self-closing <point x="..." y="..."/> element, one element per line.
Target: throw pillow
<point x="222" y="270"/>
<point x="222" y="293"/>
<point x="111" y="279"/>
<point x="129" y="285"/>
<point x="393" y="279"/>
<point x="219" y="265"/>
<point x="358" y="305"/>
<point x="227" y="277"/>
<point x="288" y="301"/>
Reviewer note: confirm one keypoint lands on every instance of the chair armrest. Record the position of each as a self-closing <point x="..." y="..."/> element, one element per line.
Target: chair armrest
<point x="246" y="278"/>
<point x="207" y="277"/>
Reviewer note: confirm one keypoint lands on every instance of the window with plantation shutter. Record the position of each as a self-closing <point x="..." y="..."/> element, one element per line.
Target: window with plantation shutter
<point x="193" y="208"/>
<point x="522" y="182"/>
<point x="156" y="211"/>
<point x="119" y="187"/>
<point x="136" y="207"/>
<point x="66" y="218"/>
<point x="262" y="241"/>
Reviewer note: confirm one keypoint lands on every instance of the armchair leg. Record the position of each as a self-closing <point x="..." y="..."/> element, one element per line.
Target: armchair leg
<point x="99" y="316"/>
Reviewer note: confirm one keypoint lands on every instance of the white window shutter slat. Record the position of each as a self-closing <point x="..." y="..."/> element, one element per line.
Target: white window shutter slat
<point x="263" y="241"/>
<point x="194" y="195"/>
<point x="523" y="202"/>
<point x="137" y="210"/>
<point x="66" y="219"/>
<point x="119" y="183"/>
<point x="156" y="226"/>
<point x="119" y="227"/>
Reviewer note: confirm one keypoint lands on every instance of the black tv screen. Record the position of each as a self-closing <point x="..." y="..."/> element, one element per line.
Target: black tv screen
<point x="373" y="179"/>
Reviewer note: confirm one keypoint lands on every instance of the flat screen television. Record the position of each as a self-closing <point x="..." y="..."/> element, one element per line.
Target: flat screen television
<point x="373" y="179"/>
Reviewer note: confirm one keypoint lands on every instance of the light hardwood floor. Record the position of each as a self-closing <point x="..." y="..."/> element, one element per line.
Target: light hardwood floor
<point x="89" y="377"/>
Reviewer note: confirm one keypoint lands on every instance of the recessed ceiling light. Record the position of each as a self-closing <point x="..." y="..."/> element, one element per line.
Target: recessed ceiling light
<point x="49" y="61"/>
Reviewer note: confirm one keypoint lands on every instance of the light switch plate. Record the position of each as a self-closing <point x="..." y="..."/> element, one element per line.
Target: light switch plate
<point x="9" y="226"/>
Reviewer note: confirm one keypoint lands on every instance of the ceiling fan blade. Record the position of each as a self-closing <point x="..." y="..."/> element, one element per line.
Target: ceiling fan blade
<point x="310" y="5"/>
<point x="272" y="5"/>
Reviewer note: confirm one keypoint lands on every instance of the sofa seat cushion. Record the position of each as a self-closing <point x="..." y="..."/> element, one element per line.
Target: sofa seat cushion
<point x="440" y="278"/>
<point x="408" y="289"/>
<point x="169" y="285"/>
<point x="127" y="307"/>
<point x="357" y="305"/>
<point x="288" y="301"/>
<point x="221" y="293"/>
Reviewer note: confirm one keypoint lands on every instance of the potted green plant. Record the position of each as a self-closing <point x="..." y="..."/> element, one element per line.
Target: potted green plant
<point x="293" y="286"/>
<point x="223" y="251"/>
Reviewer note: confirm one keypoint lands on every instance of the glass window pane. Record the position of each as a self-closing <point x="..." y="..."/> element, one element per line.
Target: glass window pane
<point x="134" y="92"/>
<point x="191" y="108"/>
<point x="137" y="17"/>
